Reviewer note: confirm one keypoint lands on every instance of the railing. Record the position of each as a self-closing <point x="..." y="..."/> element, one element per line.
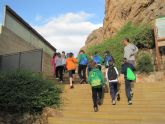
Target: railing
<point x="31" y="60"/>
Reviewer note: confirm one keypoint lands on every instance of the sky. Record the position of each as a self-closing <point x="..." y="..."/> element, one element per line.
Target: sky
<point x="64" y="23"/>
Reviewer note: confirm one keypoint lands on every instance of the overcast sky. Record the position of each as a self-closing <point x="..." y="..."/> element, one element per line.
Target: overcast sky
<point x="64" y="23"/>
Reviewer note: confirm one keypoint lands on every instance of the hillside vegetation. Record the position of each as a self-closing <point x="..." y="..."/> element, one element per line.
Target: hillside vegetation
<point x="141" y="35"/>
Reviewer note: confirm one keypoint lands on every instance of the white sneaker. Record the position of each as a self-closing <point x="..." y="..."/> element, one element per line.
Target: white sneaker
<point x="113" y="102"/>
<point x="130" y="102"/>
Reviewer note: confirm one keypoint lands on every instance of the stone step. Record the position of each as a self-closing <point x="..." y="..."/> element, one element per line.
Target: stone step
<point x="148" y="106"/>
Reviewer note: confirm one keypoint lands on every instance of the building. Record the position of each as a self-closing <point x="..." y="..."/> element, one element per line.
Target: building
<point x="21" y="46"/>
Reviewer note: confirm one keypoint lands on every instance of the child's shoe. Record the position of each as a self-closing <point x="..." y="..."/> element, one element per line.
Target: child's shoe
<point x="96" y="109"/>
<point x="113" y="102"/>
<point x="118" y="97"/>
<point x="71" y="87"/>
<point x="99" y="101"/>
<point x="130" y="102"/>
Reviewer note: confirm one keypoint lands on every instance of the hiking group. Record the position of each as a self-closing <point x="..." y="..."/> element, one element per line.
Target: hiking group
<point x="90" y="71"/>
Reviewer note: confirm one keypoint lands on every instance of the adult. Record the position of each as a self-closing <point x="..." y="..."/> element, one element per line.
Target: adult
<point x="82" y="65"/>
<point x="124" y="70"/>
<point x="130" y="51"/>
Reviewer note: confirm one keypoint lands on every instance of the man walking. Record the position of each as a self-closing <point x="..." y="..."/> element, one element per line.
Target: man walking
<point x="130" y="51"/>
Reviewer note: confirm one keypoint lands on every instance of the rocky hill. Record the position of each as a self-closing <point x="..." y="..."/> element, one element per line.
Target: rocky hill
<point x="119" y="12"/>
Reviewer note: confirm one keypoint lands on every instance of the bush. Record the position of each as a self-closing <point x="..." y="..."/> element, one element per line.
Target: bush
<point x="142" y="35"/>
<point x="144" y="38"/>
<point x="144" y="63"/>
<point x="26" y="92"/>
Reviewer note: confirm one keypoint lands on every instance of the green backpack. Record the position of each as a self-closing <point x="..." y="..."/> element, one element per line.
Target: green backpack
<point x="95" y="79"/>
<point x="130" y="75"/>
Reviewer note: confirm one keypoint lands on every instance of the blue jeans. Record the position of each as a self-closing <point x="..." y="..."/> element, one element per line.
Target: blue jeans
<point x="128" y="89"/>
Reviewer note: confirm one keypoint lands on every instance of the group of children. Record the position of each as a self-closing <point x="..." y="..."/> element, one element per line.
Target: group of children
<point x="95" y="75"/>
<point x="58" y="63"/>
<point x="97" y="82"/>
<point x="61" y="62"/>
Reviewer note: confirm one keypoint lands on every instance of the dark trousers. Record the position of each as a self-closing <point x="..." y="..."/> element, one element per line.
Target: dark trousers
<point x="113" y="89"/>
<point x="82" y="71"/>
<point x="128" y="89"/>
<point x="97" y="92"/>
<point x="59" y="72"/>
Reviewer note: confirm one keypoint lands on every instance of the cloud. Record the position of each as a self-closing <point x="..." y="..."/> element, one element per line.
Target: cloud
<point x="68" y="32"/>
<point x="38" y="18"/>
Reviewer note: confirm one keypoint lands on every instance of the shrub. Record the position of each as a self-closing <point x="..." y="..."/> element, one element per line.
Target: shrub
<point x="144" y="63"/>
<point x="26" y="92"/>
<point x="137" y="34"/>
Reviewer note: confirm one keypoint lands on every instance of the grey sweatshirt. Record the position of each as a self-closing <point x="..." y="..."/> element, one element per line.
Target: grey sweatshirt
<point x="58" y="62"/>
<point x="129" y="51"/>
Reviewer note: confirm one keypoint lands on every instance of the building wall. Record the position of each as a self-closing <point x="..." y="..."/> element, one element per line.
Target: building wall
<point x="46" y="64"/>
<point x="11" y="43"/>
<point x="22" y="31"/>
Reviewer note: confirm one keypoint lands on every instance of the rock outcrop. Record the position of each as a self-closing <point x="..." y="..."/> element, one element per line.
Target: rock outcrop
<point x="119" y="12"/>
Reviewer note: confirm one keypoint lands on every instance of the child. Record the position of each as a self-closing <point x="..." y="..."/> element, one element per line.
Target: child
<point x="112" y="77"/>
<point x="82" y="65"/>
<point x="59" y="67"/>
<point x="107" y="58"/>
<point x="96" y="80"/>
<point x="71" y="64"/>
<point x="124" y="71"/>
<point x="98" y="60"/>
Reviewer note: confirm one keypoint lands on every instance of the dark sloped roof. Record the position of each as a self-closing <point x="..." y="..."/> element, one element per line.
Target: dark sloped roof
<point x="13" y="13"/>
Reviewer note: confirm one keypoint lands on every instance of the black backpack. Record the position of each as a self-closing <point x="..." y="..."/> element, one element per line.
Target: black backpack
<point x="112" y="75"/>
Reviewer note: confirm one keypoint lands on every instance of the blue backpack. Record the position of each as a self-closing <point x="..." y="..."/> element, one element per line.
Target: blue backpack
<point x="84" y="61"/>
<point x="96" y="59"/>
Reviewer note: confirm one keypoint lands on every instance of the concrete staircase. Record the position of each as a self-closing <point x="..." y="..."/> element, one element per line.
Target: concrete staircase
<point x="148" y="106"/>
